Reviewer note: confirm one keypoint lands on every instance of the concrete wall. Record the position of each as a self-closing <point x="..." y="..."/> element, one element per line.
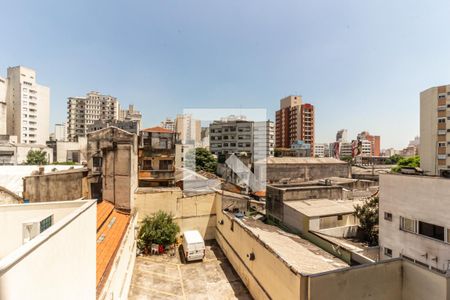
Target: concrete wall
<point x="428" y="130"/>
<point x="257" y="275"/>
<point x="191" y="213"/>
<point x="420" y="198"/>
<point x="306" y="172"/>
<point x="57" y="264"/>
<point x="376" y="281"/>
<point x="8" y="197"/>
<point x="118" y="151"/>
<point x="56" y="186"/>
<point x="118" y="283"/>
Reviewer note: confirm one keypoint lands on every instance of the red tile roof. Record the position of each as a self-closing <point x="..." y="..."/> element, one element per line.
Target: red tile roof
<point x="111" y="227"/>
<point x="158" y="129"/>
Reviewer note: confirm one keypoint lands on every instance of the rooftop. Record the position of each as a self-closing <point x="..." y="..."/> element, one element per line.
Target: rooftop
<point x="304" y="160"/>
<point x="158" y="129"/>
<point x="111" y="226"/>
<point x="301" y="255"/>
<point x="323" y="207"/>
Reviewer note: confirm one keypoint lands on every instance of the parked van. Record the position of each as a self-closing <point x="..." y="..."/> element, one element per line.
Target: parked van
<point x="193" y="245"/>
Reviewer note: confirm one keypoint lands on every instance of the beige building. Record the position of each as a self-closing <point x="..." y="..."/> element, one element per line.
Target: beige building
<point x="434" y="129"/>
<point x="189" y="129"/>
<point x="84" y="111"/>
<point x="27" y="106"/>
<point x="3" y="87"/>
<point x="414" y="221"/>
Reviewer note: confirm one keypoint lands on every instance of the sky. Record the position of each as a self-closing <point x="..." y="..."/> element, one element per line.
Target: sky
<point x="362" y="64"/>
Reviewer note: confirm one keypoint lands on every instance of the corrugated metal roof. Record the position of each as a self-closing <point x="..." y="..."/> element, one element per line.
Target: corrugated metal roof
<point x="323" y="207"/>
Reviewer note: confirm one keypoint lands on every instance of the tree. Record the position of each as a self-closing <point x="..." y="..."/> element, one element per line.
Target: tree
<point x="394" y="159"/>
<point x="158" y="229"/>
<point x="36" y="157"/>
<point x="411" y="162"/>
<point x="347" y="159"/>
<point x="201" y="159"/>
<point x="367" y="214"/>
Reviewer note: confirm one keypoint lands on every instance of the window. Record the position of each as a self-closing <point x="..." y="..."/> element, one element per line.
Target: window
<point x="441" y="120"/>
<point x="339" y="218"/>
<point x="46" y="223"/>
<point x="441" y="144"/>
<point x="387" y="252"/>
<point x="408" y="224"/>
<point x="387" y="216"/>
<point x="431" y="230"/>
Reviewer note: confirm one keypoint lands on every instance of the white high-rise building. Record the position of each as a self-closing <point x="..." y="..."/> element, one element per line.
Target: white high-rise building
<point x="189" y="130"/>
<point x="168" y="123"/>
<point x="3" y="87"/>
<point x="84" y="111"/>
<point x="61" y="132"/>
<point x="27" y="106"/>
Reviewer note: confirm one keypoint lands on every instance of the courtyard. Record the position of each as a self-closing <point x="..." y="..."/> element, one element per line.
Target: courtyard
<point x="168" y="277"/>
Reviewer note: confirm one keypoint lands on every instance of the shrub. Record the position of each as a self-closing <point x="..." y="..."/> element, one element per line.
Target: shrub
<point x="157" y="229"/>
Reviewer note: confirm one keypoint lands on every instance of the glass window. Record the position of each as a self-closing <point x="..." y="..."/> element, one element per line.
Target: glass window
<point x="46" y="223"/>
<point x="431" y="230"/>
<point x="387" y="216"/>
<point x="387" y="252"/>
<point x="408" y="224"/>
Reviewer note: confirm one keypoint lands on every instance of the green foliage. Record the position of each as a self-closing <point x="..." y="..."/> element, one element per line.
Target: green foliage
<point x="67" y="163"/>
<point x="277" y="152"/>
<point x="394" y="159"/>
<point x="157" y="229"/>
<point x="413" y="162"/>
<point x="348" y="159"/>
<point x="36" y="157"/>
<point x="202" y="159"/>
<point x="367" y="213"/>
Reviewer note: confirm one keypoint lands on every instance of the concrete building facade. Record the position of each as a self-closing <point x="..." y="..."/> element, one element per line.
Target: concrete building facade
<point x="188" y="129"/>
<point x="435" y="130"/>
<point x="414" y="221"/>
<point x="342" y="136"/>
<point x="294" y="121"/>
<point x="169" y="124"/>
<point x="27" y="106"/>
<point x="373" y="140"/>
<point x="231" y="136"/>
<point x="321" y="150"/>
<point x="84" y="111"/>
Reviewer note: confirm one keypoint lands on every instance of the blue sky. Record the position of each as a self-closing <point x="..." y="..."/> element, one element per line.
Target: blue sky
<point x="361" y="63"/>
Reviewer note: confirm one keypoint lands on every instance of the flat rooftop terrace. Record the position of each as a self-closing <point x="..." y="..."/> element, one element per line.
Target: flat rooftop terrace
<point x="299" y="254"/>
<point x="323" y="207"/>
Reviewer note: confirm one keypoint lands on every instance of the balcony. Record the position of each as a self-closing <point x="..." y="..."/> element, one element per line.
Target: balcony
<point x="156" y="175"/>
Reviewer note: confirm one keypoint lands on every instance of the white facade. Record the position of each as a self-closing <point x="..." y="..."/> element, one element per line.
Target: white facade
<point x="84" y="111"/>
<point x="366" y="148"/>
<point x="263" y="140"/>
<point x="61" y="132"/>
<point x="28" y="106"/>
<point x="3" y="87"/>
<point x="342" y="136"/>
<point x="414" y="219"/>
<point x="48" y="251"/>
<point x="169" y="124"/>
<point x="188" y="129"/>
<point x="16" y="153"/>
<point x="321" y="150"/>
<point x="131" y="114"/>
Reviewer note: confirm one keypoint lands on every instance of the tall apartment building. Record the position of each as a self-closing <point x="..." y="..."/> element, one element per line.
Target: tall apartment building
<point x="434" y="130"/>
<point x="294" y="121"/>
<point x="342" y="136"/>
<point x="169" y="124"/>
<point x="237" y="135"/>
<point x="413" y="219"/>
<point x="189" y="129"/>
<point x="84" y="111"/>
<point x="3" y="87"/>
<point x="26" y="105"/>
<point x="374" y="140"/>
<point x="61" y="132"/>
<point x="321" y="150"/>
<point x="131" y="114"/>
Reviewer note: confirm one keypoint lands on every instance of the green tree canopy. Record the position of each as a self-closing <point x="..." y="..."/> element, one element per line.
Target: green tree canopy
<point x="367" y="214"/>
<point x="157" y="229"/>
<point x="201" y="159"/>
<point x="413" y="162"/>
<point x="36" y="157"/>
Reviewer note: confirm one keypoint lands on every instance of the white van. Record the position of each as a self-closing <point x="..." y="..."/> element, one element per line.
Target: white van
<point x="193" y="245"/>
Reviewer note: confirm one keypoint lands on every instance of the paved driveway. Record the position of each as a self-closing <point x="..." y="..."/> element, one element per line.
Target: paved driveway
<point x="164" y="277"/>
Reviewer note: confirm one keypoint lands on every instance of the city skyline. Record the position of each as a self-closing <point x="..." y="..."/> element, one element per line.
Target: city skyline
<point x="362" y="68"/>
